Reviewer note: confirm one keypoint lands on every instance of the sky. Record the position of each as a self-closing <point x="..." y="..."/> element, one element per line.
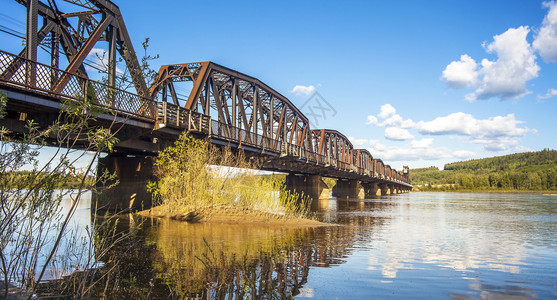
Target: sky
<point x="417" y="83"/>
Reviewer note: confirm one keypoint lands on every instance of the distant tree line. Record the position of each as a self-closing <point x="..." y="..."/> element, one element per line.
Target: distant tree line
<point x="530" y="171"/>
<point x="23" y="180"/>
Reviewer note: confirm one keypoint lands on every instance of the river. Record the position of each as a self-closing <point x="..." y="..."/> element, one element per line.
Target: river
<point x="416" y="245"/>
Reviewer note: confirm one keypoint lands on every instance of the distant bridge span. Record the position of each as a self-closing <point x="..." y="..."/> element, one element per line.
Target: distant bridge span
<point x="227" y="107"/>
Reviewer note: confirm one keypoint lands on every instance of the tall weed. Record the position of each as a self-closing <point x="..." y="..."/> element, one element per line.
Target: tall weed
<point x="194" y="176"/>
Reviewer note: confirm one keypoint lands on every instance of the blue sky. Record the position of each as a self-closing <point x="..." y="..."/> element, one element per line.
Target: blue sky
<point x="416" y="83"/>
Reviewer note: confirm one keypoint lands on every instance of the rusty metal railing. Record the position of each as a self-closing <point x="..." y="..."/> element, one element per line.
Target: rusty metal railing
<point x="174" y="116"/>
<point x="33" y="77"/>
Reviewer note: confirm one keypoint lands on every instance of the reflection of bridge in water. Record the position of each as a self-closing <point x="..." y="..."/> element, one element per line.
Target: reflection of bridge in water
<point x="217" y="261"/>
<point x="380" y="240"/>
<point x="227" y="107"/>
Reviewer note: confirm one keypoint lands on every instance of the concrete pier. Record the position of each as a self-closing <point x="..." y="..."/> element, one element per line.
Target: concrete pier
<point x="394" y="190"/>
<point x="371" y="189"/>
<point x="348" y="189"/>
<point x="385" y="189"/>
<point x="310" y="185"/>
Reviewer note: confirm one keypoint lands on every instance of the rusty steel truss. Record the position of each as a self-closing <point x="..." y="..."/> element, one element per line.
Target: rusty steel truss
<point x="228" y="107"/>
<point x="97" y="20"/>
<point x="244" y="112"/>
<point x="245" y="109"/>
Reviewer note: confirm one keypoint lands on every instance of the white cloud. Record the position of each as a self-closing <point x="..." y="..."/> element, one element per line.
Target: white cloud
<point x="462" y="73"/>
<point x="303" y="90"/>
<point x="397" y="121"/>
<point x="99" y="58"/>
<point x="465" y="124"/>
<point x="497" y="144"/>
<point x="546" y="39"/>
<point x="516" y="64"/>
<point x="463" y="154"/>
<point x="376" y="145"/>
<point x="505" y="77"/>
<point x="357" y="143"/>
<point x="423" y="143"/>
<point x="387" y="110"/>
<point x="499" y="133"/>
<point x="550" y="94"/>
<point x="408" y="153"/>
<point x="395" y="126"/>
<point x="416" y="150"/>
<point x="397" y="134"/>
<point x="390" y="118"/>
<point x="496" y="133"/>
<point x="456" y="123"/>
<point x="371" y="120"/>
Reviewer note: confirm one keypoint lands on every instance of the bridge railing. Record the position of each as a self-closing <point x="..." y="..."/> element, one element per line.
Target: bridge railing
<point x="33" y="77"/>
<point x="174" y="116"/>
<point x="345" y="166"/>
<point x="245" y="137"/>
<point x="242" y="136"/>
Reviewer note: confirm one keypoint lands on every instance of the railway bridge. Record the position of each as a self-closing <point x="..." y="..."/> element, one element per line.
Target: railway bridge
<point x="225" y="106"/>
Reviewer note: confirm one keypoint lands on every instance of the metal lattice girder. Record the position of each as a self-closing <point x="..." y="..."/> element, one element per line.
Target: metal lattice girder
<point x="388" y="171"/>
<point x="242" y="102"/>
<point x="379" y="167"/>
<point x="363" y="160"/>
<point x="101" y="21"/>
<point x="242" y="105"/>
<point x="333" y="146"/>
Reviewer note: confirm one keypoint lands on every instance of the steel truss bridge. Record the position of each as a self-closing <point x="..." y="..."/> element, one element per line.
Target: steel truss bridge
<point x="227" y="107"/>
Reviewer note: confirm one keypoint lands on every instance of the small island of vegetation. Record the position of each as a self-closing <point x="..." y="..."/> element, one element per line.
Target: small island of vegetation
<point x="200" y="182"/>
<point x="522" y="172"/>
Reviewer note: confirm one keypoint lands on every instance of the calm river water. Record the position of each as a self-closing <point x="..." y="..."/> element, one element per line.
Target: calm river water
<point x="417" y="245"/>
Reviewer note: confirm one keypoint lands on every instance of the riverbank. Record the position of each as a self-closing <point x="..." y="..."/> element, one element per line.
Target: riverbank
<point x="550" y="193"/>
<point x="231" y="215"/>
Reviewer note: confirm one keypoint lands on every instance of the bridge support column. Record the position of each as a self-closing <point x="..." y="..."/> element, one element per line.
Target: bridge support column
<point x="394" y="189"/>
<point x="348" y="188"/>
<point x="132" y="172"/>
<point x="311" y="185"/>
<point x="385" y="189"/>
<point x="371" y="189"/>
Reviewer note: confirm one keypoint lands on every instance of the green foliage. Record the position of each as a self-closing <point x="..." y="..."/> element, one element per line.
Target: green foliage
<point x="530" y="171"/>
<point x="3" y="102"/>
<point x="507" y="162"/>
<point x="21" y="180"/>
<point x="330" y="182"/>
<point x="189" y="179"/>
<point x="183" y="177"/>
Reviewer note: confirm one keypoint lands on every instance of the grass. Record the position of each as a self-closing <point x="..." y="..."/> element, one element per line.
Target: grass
<point x="195" y="178"/>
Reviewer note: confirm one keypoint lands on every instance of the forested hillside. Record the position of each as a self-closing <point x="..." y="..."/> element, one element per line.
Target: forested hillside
<point x="530" y="171"/>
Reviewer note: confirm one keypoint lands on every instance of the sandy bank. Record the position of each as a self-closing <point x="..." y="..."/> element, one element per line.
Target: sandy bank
<point x="231" y="215"/>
